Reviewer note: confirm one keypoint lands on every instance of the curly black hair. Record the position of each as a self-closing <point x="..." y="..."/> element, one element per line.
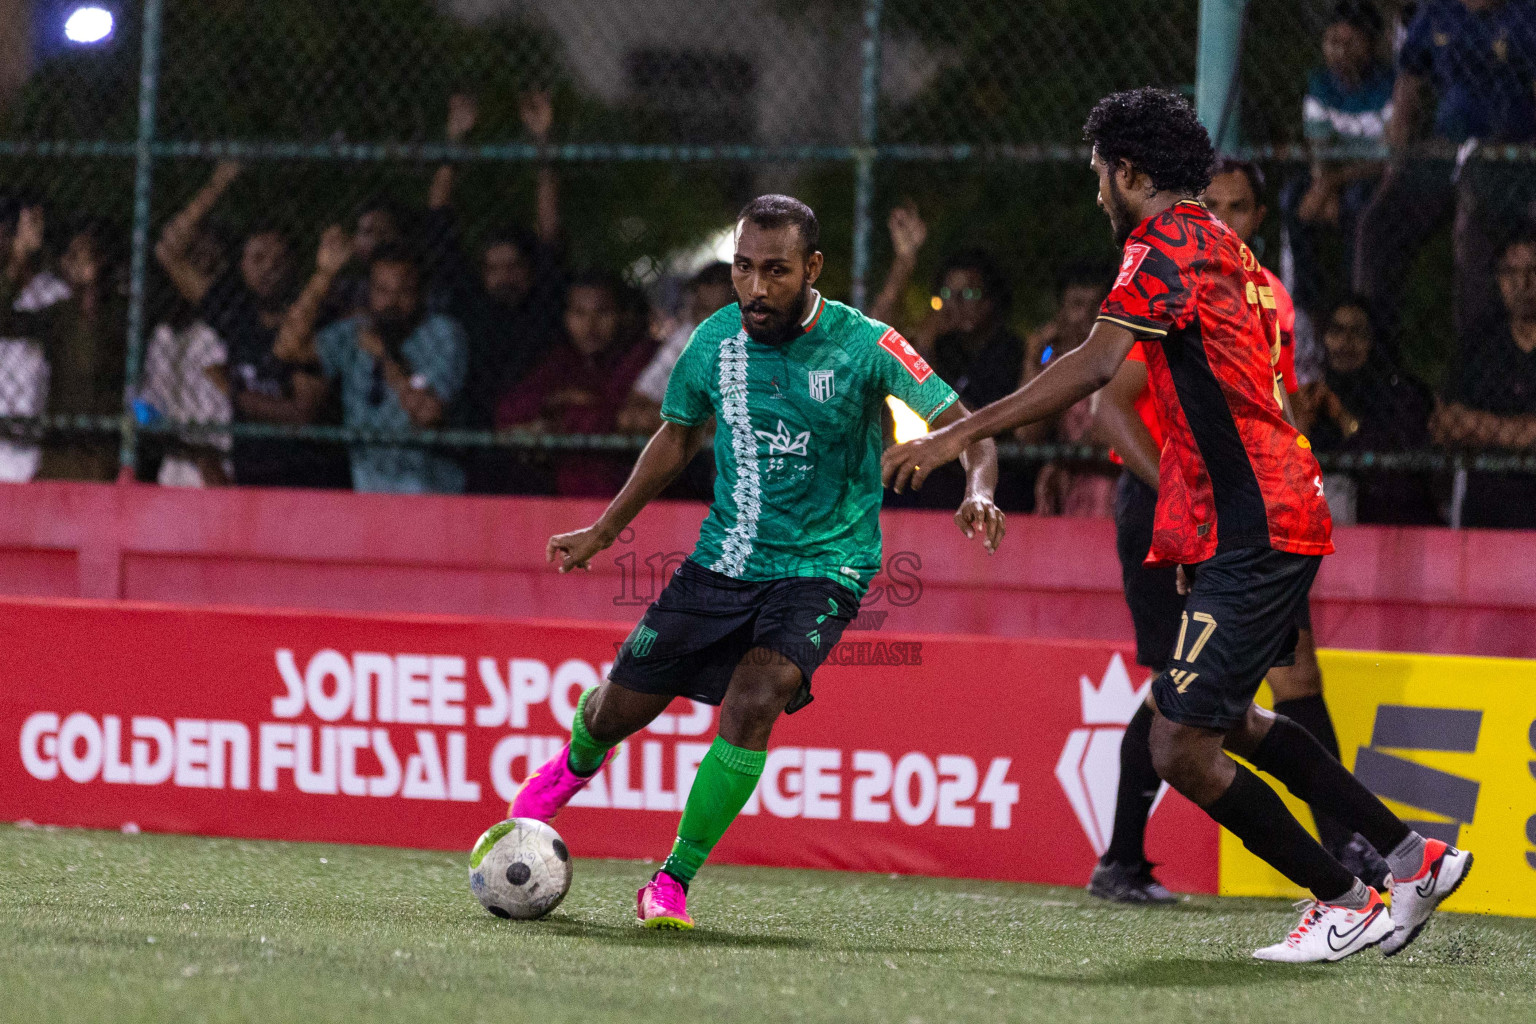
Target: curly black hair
<point x="1158" y="133"/>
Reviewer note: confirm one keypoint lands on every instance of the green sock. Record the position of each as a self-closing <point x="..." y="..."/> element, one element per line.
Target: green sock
<point x="725" y="780"/>
<point x="587" y="753"/>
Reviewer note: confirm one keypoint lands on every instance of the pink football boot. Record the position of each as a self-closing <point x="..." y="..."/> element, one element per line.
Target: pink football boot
<point x="551" y="787"/>
<point x="663" y="903"/>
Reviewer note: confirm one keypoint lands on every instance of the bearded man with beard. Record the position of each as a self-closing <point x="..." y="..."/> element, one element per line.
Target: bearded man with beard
<point x="792" y="540"/>
<point x="397" y="368"/>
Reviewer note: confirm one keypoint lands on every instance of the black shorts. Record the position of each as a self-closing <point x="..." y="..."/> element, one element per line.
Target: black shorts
<point x="703" y="623"/>
<point x="1152" y="594"/>
<point x="1239" y="620"/>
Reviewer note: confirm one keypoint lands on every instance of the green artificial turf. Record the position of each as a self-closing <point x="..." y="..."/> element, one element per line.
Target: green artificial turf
<point x="123" y="928"/>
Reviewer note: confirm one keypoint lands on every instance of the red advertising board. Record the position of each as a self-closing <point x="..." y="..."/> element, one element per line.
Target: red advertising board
<point x="962" y="756"/>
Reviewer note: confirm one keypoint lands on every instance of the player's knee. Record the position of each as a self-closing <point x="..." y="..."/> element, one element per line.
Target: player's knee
<point x="1179" y="758"/>
<point x="762" y="692"/>
<point x="613" y="713"/>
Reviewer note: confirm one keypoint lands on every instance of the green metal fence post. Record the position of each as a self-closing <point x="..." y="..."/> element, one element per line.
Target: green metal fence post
<point x="1216" y="67"/>
<point x="864" y="161"/>
<point x="138" y="268"/>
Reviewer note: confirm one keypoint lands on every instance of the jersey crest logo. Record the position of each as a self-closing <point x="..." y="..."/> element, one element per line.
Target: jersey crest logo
<point x="898" y="346"/>
<point x="641" y="641"/>
<point x="822" y="385"/>
<point x="782" y="442"/>
<point x="1134" y="254"/>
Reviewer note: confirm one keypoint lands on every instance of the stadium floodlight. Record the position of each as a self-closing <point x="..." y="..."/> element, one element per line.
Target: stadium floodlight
<point x="88" y="24"/>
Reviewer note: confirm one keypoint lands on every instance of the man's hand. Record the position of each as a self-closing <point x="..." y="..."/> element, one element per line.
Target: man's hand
<point x="335" y="250"/>
<point x="463" y="112"/>
<point x="537" y="111"/>
<point x="978" y="513"/>
<point x="224" y="174"/>
<point x="575" y="550"/>
<point x="908" y="232"/>
<point x="911" y="463"/>
<point x="30" y="224"/>
<point x="1181" y="581"/>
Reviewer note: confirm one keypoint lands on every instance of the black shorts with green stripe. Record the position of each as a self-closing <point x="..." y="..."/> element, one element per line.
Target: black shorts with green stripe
<point x="701" y="626"/>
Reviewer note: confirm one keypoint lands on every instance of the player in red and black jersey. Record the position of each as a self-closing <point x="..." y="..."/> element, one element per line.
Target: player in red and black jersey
<point x="1240" y="508"/>
<point x="1125" y="416"/>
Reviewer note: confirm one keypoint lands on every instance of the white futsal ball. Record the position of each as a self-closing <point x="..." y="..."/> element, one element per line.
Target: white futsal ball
<point x="520" y="869"/>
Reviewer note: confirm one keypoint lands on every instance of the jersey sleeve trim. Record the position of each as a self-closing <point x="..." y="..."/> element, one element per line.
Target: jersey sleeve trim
<point x="673" y="418"/>
<point x="943" y="404"/>
<point x="1136" y="325"/>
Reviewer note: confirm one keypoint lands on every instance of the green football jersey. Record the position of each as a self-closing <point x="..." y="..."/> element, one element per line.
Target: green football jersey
<point x="797" y="440"/>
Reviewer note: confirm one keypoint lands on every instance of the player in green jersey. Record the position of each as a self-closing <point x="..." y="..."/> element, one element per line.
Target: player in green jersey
<point x="795" y="384"/>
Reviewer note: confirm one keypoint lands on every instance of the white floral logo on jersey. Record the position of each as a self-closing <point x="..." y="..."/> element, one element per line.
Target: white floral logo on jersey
<point x="785" y="443"/>
<point x="822" y="385"/>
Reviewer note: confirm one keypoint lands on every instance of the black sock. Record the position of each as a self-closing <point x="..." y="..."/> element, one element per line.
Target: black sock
<point x="1290" y="754"/>
<point x="1138" y="789"/>
<point x="1311" y="713"/>
<point x="1254" y="813"/>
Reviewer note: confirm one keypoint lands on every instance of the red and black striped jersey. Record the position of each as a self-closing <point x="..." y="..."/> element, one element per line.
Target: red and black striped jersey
<point x="1234" y="472"/>
<point x="1285" y="368"/>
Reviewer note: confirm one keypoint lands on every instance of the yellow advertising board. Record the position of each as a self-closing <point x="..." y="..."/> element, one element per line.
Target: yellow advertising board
<point x="1450" y="745"/>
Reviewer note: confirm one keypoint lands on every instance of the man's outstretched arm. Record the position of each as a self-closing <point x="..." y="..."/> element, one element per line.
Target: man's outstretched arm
<point x="977" y="513"/>
<point x="666" y="455"/>
<point x="1068" y="380"/>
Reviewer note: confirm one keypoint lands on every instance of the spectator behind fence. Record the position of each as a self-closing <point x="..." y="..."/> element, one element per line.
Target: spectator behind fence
<point x="967" y="340"/>
<point x="86" y="350"/>
<point x="1348" y="104"/>
<point x="380" y="224"/>
<point x="244" y="305"/>
<point x="709" y="291"/>
<point x="397" y="368"/>
<point x="1364" y="403"/>
<point x="1480" y="58"/>
<point x="185" y="381"/>
<point x="509" y="298"/>
<point x="1491" y="402"/>
<point x="23" y="367"/>
<point x="581" y="385"/>
<point x="1064" y="487"/>
<point x="81" y="341"/>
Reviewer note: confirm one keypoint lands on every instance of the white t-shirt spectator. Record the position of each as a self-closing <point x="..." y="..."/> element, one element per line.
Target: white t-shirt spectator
<point x="24" y="377"/>
<point x="176" y="382"/>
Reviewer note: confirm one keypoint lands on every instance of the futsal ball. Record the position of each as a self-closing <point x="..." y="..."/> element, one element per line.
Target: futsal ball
<point x="520" y="869"/>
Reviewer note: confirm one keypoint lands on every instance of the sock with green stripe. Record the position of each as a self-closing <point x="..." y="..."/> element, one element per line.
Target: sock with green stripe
<point x="725" y="781"/>
<point x="587" y="753"/>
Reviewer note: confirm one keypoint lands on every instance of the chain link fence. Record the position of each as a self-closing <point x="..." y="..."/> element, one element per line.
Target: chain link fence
<point x="166" y="193"/>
